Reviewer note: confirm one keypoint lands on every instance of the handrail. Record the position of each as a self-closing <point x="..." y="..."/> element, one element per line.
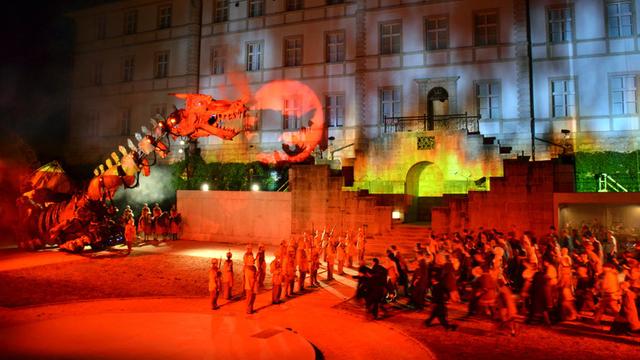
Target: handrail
<point x="284" y="187"/>
<point x="425" y="122"/>
<point x="605" y="182"/>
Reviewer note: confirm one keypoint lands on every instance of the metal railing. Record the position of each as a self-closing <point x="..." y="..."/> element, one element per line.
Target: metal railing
<point x="470" y="123"/>
<point x="607" y="183"/>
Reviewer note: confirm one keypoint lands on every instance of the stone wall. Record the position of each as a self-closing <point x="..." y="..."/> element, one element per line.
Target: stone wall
<point x="235" y="216"/>
<point x="318" y="201"/>
<point x="522" y="197"/>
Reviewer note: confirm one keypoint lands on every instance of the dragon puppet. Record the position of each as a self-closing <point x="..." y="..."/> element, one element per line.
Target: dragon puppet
<point x="87" y="217"/>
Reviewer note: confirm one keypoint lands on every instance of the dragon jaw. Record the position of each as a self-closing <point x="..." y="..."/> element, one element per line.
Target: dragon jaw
<point x="205" y="116"/>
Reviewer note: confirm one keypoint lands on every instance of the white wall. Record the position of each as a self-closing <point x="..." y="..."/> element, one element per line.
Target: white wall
<point x="235" y="216"/>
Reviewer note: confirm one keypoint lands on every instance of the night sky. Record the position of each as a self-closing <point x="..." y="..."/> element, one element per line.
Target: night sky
<point x="35" y="74"/>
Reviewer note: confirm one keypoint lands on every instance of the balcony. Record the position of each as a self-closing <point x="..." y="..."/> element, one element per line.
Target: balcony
<point x="451" y="122"/>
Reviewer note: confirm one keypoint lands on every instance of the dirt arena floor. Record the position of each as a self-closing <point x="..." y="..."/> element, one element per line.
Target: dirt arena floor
<point x="178" y="270"/>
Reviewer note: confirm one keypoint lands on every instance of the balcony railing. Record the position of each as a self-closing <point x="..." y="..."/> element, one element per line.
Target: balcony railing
<point x="451" y="122"/>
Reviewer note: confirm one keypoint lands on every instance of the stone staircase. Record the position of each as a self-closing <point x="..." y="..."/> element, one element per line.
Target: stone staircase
<point x="404" y="236"/>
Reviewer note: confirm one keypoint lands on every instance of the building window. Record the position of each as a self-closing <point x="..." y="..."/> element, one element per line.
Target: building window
<point x="159" y="109"/>
<point x="334" y="2"/>
<point x="221" y="12"/>
<point x="488" y="93"/>
<point x="164" y="17"/>
<point x="91" y="128"/>
<point x="125" y="122"/>
<point x="291" y="114"/>
<point x="560" y="24"/>
<point x="624" y="97"/>
<point x="293" y="51"/>
<point x="256" y="8"/>
<point x="335" y="46"/>
<point x="334" y="110"/>
<point x="486" y="28"/>
<point x="390" y="38"/>
<point x="130" y="22"/>
<point x="563" y="98"/>
<point x="390" y="102"/>
<point x="218" y="60"/>
<point x="162" y="64"/>
<point x="254" y="56"/>
<point x="293" y="5"/>
<point x="101" y="27"/>
<point x="97" y="74"/>
<point x="128" y="68"/>
<point x="437" y="35"/>
<point x="619" y="19"/>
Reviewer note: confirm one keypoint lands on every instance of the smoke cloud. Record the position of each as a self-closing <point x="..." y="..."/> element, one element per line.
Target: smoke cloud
<point x="158" y="187"/>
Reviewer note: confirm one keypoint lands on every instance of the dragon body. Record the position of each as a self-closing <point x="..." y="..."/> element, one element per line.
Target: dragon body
<point x="87" y="217"/>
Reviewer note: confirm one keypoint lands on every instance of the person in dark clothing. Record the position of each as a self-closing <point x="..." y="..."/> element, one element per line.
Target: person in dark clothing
<point x="363" y="282"/>
<point x="420" y="283"/>
<point x="377" y="286"/>
<point x="539" y="299"/>
<point x="439" y="297"/>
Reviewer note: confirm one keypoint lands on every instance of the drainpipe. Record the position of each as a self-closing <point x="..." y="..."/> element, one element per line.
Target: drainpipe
<point x="531" y="97"/>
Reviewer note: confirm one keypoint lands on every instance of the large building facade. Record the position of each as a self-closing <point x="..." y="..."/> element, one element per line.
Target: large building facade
<point x="368" y="61"/>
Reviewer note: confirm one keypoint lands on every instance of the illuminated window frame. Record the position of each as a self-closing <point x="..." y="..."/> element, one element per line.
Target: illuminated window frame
<point x="130" y="22"/>
<point x="97" y="73"/>
<point x="161" y="66"/>
<point x="128" y="68"/>
<point x="334" y="109"/>
<point x="291" y="113"/>
<point x="489" y="102"/>
<point x="564" y="98"/>
<point x="482" y="26"/>
<point x="254" y="54"/>
<point x="623" y="98"/>
<point x="293" y="5"/>
<point x="560" y="28"/>
<point x="159" y="109"/>
<point x="390" y="102"/>
<point x="437" y="43"/>
<point x="218" y="59"/>
<point x="101" y="27"/>
<point x="165" y="13"/>
<point x="293" y="46"/>
<point x="93" y="121"/>
<point x="390" y="34"/>
<point x="255" y="8"/>
<point x="618" y="20"/>
<point x="335" y="46"/>
<point x="220" y="11"/>
<point x="125" y="121"/>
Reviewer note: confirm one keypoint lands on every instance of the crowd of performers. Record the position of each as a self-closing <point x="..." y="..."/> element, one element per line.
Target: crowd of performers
<point x="576" y="275"/>
<point x="293" y="261"/>
<point x="153" y="224"/>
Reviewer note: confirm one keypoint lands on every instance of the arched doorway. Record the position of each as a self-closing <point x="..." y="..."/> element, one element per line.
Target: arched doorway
<point x="425" y="185"/>
<point x="438" y="101"/>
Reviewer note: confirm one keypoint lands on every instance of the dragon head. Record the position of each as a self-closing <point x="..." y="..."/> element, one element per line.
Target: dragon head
<point x="205" y="116"/>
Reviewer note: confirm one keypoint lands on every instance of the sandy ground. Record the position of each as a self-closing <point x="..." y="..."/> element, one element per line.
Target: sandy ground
<point x="49" y="285"/>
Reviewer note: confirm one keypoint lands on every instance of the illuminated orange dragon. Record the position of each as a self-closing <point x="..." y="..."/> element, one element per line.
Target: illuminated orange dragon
<point x="86" y="218"/>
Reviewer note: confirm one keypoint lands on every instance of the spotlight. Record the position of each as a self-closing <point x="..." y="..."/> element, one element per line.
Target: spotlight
<point x="182" y="142"/>
<point x="481" y="182"/>
<point x="204" y="187"/>
<point x="180" y="151"/>
<point x="255" y="187"/>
